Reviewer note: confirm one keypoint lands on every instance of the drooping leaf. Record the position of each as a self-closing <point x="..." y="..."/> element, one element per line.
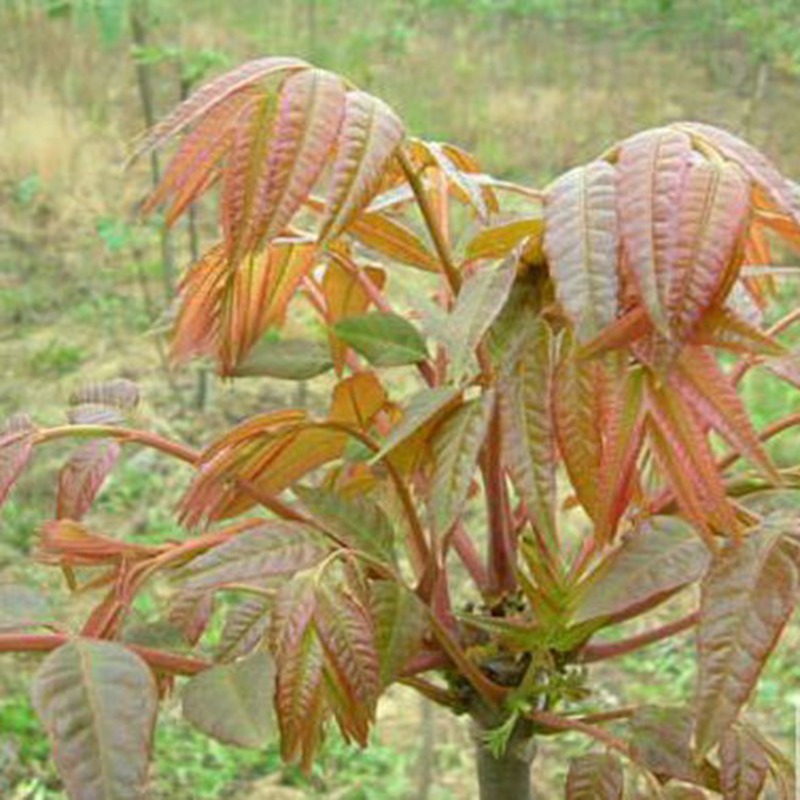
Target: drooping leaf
<point x="657" y="559"/>
<point x="652" y="169"/>
<point x="754" y="163"/>
<point x="747" y="598"/>
<point x="357" y="522"/>
<point x="743" y="765"/>
<point x="528" y="434"/>
<point x="98" y="702"/>
<point x="456" y="445"/>
<point x="245" y="626"/>
<point x="384" y="339"/>
<point x="286" y="359"/>
<point x="595" y="776"/>
<point x="269" y="549"/>
<point x="232" y="703"/>
<point x="391" y="238"/>
<point x="311" y="108"/>
<point x="82" y="477"/>
<point x="581" y="241"/>
<point x="369" y="134"/>
<point x="214" y="92"/>
<point x="498" y="241"/>
<point x="480" y="300"/>
<point x="724" y="328"/>
<point x="711" y="218"/>
<point x="400" y="624"/>
<point x="23" y="607"/>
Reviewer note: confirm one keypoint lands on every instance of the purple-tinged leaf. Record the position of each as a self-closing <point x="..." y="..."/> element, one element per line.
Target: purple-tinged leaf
<point x="118" y="393"/>
<point x="595" y="776"/>
<point x="98" y="702"/>
<point x="82" y="477"/>
<point x="232" y="703"/>
<point x="743" y="765"/>
<point x="190" y="612"/>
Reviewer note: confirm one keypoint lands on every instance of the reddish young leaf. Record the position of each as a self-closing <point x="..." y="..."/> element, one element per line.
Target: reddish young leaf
<point x="357" y="399"/>
<point x="581" y="243"/>
<point x="246" y="625"/>
<point x="267" y="549"/>
<point x="16" y="449"/>
<point x="722" y="327"/>
<point x="369" y="135"/>
<point x="712" y="215"/>
<point x="391" y="238"/>
<point x="311" y="107"/>
<point x="82" y="477"/>
<point x="651" y="172"/>
<point x="213" y="93"/>
<point x="190" y="612"/>
<point x="754" y="163"/>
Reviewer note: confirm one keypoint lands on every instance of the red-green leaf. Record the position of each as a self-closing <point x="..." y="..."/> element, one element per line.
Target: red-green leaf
<point x="652" y="169"/>
<point x="747" y="598"/>
<point x="270" y="549"/>
<point x="232" y="703"/>
<point x="480" y="300"/>
<point x="400" y="624"/>
<point x="82" y="477"/>
<point x="743" y="765"/>
<point x="596" y="776"/>
<point x="98" y="702"/>
<point x="356" y="522"/>
<point x="456" y="445"/>
<point x="581" y="244"/>
<point x="659" y="558"/>
<point x="391" y="238"/>
<point x="370" y="132"/>
<point x="499" y="240"/>
<point x="245" y="626"/>
<point x="528" y="435"/>
<point x="16" y="449"/>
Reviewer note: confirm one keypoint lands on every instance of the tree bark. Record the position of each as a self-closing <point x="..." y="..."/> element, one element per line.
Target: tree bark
<point x="509" y="776"/>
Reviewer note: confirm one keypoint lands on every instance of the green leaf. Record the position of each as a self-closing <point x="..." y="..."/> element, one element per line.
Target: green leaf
<point x="656" y="560"/>
<point x="595" y="776"/>
<point x="480" y="300"/>
<point x="422" y="409"/>
<point x="271" y="549"/>
<point x="286" y="359"/>
<point x="358" y="522"/>
<point x="23" y="607"/>
<point x="746" y="600"/>
<point x="400" y="624"/>
<point x="385" y="340"/>
<point x="232" y="703"/>
<point x="456" y="445"/>
<point x="98" y="702"/>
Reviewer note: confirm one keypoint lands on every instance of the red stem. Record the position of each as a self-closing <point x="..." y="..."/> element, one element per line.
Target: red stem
<point x="553" y="722"/>
<point x="157" y="659"/>
<point x="600" y="652"/>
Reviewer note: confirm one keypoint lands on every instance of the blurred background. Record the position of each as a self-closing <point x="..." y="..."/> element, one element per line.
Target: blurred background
<point x="533" y="87"/>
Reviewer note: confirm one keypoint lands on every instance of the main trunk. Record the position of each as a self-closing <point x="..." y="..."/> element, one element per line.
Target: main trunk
<point x="509" y="776"/>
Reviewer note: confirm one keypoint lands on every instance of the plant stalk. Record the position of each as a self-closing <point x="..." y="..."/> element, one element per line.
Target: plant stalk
<point x="506" y="775"/>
